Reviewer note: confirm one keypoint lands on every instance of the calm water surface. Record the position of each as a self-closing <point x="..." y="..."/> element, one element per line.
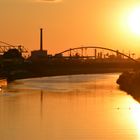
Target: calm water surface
<point x="81" y="107"/>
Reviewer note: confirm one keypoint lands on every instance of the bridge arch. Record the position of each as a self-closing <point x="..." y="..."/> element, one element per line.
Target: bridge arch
<point x="96" y="47"/>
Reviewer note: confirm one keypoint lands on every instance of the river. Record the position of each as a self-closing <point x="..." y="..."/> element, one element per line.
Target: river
<point x="76" y="107"/>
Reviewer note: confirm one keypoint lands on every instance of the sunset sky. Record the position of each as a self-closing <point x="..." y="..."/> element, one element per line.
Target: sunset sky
<point x="67" y="24"/>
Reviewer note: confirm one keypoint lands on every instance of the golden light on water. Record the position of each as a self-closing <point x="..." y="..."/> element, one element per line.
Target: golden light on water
<point x="136" y="114"/>
<point x="135" y="110"/>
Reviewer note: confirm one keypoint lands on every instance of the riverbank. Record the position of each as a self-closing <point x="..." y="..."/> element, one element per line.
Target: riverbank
<point x="30" y="69"/>
<point x="52" y="71"/>
<point x="13" y="66"/>
<point x="130" y="83"/>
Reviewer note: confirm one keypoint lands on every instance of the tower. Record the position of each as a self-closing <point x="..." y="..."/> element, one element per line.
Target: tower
<point x="40" y="54"/>
<point x="41" y="39"/>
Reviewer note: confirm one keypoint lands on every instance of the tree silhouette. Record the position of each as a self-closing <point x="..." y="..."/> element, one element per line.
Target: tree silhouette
<point x="12" y="53"/>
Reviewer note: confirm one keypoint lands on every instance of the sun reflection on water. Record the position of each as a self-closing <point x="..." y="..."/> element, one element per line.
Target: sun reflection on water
<point x="135" y="111"/>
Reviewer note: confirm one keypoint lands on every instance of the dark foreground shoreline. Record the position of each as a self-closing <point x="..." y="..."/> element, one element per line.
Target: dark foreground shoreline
<point x="130" y="83"/>
<point x="22" y="74"/>
<point x="30" y="69"/>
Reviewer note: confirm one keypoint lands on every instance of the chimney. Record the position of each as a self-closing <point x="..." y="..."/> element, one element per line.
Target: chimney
<point x="41" y="39"/>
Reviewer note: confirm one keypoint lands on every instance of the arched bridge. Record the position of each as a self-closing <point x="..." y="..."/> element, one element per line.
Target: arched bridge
<point x="95" y="52"/>
<point x="4" y="47"/>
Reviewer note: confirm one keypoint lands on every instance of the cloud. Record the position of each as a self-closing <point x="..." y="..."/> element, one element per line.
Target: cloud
<point x="49" y="1"/>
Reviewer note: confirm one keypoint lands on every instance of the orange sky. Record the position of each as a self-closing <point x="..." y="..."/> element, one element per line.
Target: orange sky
<point x="69" y="24"/>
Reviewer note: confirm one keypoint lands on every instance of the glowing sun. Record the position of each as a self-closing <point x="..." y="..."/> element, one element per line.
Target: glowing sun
<point x="134" y="21"/>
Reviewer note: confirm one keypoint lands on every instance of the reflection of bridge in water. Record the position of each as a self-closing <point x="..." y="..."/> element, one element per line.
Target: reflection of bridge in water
<point x="95" y="53"/>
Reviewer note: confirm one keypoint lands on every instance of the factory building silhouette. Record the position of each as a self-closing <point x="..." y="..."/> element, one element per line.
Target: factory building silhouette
<point x="41" y="53"/>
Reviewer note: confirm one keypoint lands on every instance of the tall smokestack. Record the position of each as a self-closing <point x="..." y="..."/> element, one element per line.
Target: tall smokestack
<point x="41" y="39"/>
